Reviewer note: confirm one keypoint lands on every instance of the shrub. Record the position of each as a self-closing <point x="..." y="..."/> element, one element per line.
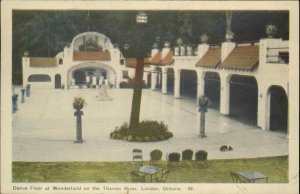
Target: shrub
<point x="147" y="131"/>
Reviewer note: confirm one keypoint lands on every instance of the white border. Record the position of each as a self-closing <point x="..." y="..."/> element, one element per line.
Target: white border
<point x="6" y="77"/>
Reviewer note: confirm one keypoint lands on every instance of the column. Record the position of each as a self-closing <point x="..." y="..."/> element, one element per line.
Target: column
<point x="263" y="109"/>
<point x="164" y="80"/>
<point x="225" y="94"/>
<point x="153" y="77"/>
<point x="200" y="84"/>
<point x="177" y="83"/>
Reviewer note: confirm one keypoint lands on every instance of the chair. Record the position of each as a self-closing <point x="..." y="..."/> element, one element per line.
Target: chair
<point x="155" y="156"/>
<point x="201" y="156"/>
<point x="187" y="156"/>
<point x="164" y="176"/>
<point x="137" y="177"/>
<point x="173" y="158"/>
<point x="137" y="154"/>
<point x="236" y="178"/>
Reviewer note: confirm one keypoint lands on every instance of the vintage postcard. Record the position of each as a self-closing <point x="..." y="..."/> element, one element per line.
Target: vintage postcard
<point x="149" y="97"/>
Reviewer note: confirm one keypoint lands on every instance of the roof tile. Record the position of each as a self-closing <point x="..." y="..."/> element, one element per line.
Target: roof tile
<point x="210" y="59"/>
<point x="242" y="58"/>
<point x="43" y="62"/>
<point x="131" y="62"/>
<point x="91" y="55"/>
<point x="168" y="59"/>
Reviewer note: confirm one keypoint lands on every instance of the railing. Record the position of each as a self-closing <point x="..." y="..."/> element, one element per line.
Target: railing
<point x="278" y="55"/>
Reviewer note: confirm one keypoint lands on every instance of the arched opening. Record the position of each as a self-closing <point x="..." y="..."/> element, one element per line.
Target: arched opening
<point x="79" y="77"/>
<point x="57" y="81"/>
<point x="244" y="98"/>
<point x="188" y="83"/>
<point x="278" y="102"/>
<point x="170" y="80"/>
<point x="39" y="78"/>
<point x="212" y="89"/>
<point x="148" y="80"/>
<point x="158" y="78"/>
<point x="91" y="75"/>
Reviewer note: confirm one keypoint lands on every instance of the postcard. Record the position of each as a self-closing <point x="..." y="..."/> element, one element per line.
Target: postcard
<point x="149" y="97"/>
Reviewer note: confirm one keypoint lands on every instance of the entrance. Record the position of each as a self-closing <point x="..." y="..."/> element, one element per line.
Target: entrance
<point x="188" y="83"/>
<point x="278" y="109"/>
<point x="79" y="77"/>
<point x="212" y="89"/>
<point x="244" y="98"/>
<point x="91" y="75"/>
<point x="57" y="81"/>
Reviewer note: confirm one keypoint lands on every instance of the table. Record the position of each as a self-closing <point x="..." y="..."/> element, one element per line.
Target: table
<point x="252" y="176"/>
<point x="149" y="170"/>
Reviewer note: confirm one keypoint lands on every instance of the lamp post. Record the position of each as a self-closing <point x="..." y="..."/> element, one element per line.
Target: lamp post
<point x="203" y="104"/>
<point x="137" y="51"/>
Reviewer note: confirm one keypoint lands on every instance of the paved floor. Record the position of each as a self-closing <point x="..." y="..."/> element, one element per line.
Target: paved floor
<point x="44" y="128"/>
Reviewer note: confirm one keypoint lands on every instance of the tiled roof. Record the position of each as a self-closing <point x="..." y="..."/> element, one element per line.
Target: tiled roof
<point x="168" y="59"/>
<point x="156" y="59"/>
<point x="242" y="58"/>
<point x="91" y="55"/>
<point x="43" y="62"/>
<point x="210" y="59"/>
<point x="131" y="62"/>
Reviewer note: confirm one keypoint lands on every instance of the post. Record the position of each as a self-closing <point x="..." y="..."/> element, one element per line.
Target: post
<point x="78" y="114"/>
<point x="202" y="123"/>
<point x="27" y="90"/>
<point x="14" y="103"/>
<point x="23" y="94"/>
<point x="203" y="104"/>
<point x="78" y="104"/>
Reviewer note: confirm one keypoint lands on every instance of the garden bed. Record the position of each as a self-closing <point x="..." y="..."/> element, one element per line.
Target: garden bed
<point x="147" y="131"/>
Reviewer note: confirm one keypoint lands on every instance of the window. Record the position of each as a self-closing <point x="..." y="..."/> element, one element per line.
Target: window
<point x="122" y="61"/>
<point x="39" y="78"/>
<point x="60" y="61"/>
<point x="125" y="74"/>
<point x="284" y="57"/>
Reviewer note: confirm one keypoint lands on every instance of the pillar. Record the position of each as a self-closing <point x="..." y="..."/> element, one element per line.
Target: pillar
<point x="177" y="83"/>
<point x="200" y="84"/>
<point x="164" y="80"/>
<point x="225" y="94"/>
<point x="263" y="109"/>
<point x="153" y="77"/>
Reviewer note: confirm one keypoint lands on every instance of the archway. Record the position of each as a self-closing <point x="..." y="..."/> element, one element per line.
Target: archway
<point x="212" y="88"/>
<point x="158" y="78"/>
<point x="39" y="78"/>
<point x="244" y="98"/>
<point x="148" y="85"/>
<point x="57" y="81"/>
<point x="188" y="83"/>
<point x="278" y="107"/>
<point x="87" y="74"/>
<point x="170" y="80"/>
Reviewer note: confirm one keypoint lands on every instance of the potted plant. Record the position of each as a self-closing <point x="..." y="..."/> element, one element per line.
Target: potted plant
<point x="167" y="44"/>
<point x="78" y="103"/>
<point x="203" y="103"/>
<point x="271" y="30"/>
<point x="204" y="39"/>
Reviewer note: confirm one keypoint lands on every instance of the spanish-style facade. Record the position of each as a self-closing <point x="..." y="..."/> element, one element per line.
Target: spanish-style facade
<point x="92" y="60"/>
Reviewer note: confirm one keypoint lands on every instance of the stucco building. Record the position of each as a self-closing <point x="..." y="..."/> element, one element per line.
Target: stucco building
<point x="239" y="78"/>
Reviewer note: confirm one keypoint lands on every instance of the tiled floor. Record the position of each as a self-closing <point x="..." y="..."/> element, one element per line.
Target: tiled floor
<point x="44" y="128"/>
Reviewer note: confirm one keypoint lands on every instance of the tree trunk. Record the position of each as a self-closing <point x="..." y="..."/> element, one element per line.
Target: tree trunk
<point x="137" y="93"/>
